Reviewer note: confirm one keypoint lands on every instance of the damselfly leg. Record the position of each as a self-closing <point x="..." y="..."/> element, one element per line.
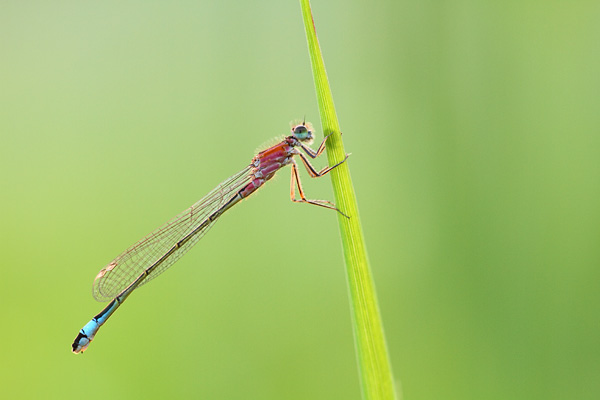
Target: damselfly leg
<point x="314" y="174"/>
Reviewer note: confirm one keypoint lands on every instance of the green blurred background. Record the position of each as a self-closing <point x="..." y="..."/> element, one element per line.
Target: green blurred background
<point x="475" y="133"/>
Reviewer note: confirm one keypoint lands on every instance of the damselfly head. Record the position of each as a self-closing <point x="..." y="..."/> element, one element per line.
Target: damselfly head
<point x="303" y="131"/>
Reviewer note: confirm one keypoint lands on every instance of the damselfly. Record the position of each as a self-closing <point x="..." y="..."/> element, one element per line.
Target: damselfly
<point x="155" y="253"/>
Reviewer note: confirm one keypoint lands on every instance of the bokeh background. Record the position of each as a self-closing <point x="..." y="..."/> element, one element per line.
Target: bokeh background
<point x="475" y="133"/>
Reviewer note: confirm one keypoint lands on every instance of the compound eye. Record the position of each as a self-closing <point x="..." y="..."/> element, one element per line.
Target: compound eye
<point x="299" y="129"/>
<point x="302" y="133"/>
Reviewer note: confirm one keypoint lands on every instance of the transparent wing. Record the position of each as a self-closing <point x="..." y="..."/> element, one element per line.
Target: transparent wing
<point x="124" y="269"/>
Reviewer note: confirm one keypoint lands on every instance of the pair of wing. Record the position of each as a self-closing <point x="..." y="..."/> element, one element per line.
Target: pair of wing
<point x="128" y="266"/>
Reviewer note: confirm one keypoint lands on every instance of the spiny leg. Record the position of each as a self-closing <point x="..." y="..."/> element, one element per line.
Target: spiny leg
<point x="313" y="172"/>
<point x="303" y="199"/>
<point x="314" y="154"/>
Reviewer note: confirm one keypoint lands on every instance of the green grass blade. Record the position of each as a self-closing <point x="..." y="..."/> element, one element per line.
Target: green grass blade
<point x="373" y="360"/>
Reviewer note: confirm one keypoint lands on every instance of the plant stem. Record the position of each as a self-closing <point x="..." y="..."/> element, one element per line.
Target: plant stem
<point x="373" y="361"/>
